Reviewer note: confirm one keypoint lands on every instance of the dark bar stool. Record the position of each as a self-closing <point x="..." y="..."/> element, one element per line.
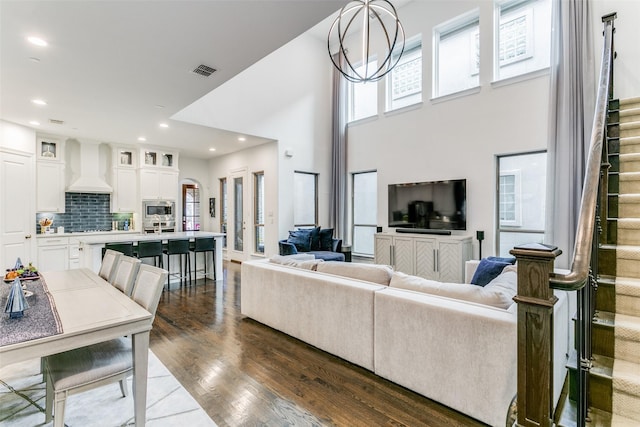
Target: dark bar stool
<point x="179" y="247"/>
<point x="204" y="245"/>
<point x="123" y="247"/>
<point x="151" y="249"/>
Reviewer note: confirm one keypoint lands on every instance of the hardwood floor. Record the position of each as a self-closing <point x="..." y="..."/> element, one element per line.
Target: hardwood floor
<point x="246" y="374"/>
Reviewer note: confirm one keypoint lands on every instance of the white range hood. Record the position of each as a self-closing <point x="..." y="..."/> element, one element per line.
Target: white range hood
<point x="90" y="180"/>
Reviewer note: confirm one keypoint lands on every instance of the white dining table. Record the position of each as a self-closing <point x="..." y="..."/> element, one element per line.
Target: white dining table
<point x="91" y="311"/>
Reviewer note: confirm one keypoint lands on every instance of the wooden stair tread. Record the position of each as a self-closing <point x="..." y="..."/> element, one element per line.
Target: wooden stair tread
<point x="602" y="366"/>
<point x="604" y="318"/>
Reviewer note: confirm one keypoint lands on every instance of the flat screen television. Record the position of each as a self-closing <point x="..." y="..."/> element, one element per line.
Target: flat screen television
<point x="435" y="205"/>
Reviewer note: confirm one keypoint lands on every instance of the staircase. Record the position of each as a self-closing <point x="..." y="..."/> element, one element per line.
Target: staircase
<point x="615" y="375"/>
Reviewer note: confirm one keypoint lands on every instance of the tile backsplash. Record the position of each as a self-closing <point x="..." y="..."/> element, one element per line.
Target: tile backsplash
<point x="84" y="211"/>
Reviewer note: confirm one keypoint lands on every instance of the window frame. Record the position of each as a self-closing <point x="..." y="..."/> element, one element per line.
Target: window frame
<point x="355" y="224"/>
<point x="442" y="32"/>
<point x="517" y="199"/>
<point x="515" y="9"/>
<point x="513" y="227"/>
<point x="194" y="190"/>
<point x="351" y="98"/>
<point x="413" y="47"/>
<point x="315" y="199"/>
<point x="258" y="212"/>
<point x="224" y="209"/>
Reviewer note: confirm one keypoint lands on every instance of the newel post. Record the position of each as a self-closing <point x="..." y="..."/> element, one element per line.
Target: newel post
<point x="535" y="301"/>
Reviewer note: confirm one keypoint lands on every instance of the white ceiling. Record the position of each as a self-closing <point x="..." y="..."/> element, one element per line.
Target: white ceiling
<point x="113" y="70"/>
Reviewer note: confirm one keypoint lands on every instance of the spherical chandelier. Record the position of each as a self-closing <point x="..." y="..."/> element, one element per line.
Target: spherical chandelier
<point x="371" y="14"/>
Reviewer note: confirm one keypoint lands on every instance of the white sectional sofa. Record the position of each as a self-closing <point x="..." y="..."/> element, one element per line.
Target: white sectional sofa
<point x="454" y="350"/>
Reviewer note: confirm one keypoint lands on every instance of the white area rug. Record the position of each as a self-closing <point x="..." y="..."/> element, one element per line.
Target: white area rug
<point x="22" y="400"/>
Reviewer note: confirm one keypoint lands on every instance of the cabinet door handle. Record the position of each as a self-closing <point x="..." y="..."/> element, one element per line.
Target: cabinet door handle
<point x="435" y="256"/>
<point x="28" y="236"/>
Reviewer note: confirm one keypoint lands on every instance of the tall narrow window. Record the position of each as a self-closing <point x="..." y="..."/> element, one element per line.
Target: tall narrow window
<point x="521" y="184"/>
<point x="238" y="214"/>
<point x="365" y="212"/>
<point x="305" y="199"/>
<point x="404" y="84"/>
<point x="523" y="37"/>
<point x="363" y="97"/>
<point x="456" y="60"/>
<point x="258" y="214"/>
<point x="190" y="207"/>
<point x="223" y="209"/>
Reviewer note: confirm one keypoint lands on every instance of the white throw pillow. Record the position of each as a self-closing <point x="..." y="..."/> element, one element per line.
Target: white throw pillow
<point x="499" y="295"/>
<point x="306" y="261"/>
<point x="374" y="273"/>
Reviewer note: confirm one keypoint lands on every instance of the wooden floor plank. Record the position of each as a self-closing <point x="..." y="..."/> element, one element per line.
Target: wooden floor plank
<point x="244" y="373"/>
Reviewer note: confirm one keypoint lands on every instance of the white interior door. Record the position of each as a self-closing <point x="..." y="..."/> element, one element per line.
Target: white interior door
<point x="238" y="235"/>
<point x="17" y="209"/>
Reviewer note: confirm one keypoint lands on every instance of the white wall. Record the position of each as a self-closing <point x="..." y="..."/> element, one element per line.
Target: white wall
<point x="285" y="97"/>
<point x="454" y="138"/>
<point x="626" y="76"/>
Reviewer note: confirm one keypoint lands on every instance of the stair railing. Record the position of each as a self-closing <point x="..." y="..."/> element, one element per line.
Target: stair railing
<point x="537" y="278"/>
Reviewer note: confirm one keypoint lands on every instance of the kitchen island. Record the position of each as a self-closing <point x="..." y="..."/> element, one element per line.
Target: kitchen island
<point x="90" y="246"/>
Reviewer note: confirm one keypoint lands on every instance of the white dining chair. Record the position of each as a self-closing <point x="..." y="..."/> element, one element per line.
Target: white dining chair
<point x="125" y="274"/>
<point x="89" y="367"/>
<point x="109" y="264"/>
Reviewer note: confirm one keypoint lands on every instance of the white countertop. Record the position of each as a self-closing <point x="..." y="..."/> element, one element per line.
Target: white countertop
<point x="87" y="233"/>
<point x="112" y="237"/>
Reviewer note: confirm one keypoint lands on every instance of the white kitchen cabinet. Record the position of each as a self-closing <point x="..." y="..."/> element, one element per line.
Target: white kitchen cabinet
<point x="74" y="253"/>
<point x="53" y="253"/>
<point x="152" y="158"/>
<point x="158" y="184"/>
<point x="125" y="190"/>
<point x="432" y="257"/>
<point x="50" y="186"/>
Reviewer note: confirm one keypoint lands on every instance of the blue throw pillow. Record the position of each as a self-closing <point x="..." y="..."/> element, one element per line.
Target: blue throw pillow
<point x="301" y="239"/>
<point x="315" y="237"/>
<point x="326" y="239"/>
<point x="511" y="260"/>
<point x="487" y="271"/>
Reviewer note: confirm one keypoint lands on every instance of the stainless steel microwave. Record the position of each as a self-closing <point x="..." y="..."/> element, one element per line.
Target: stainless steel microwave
<point x="164" y="209"/>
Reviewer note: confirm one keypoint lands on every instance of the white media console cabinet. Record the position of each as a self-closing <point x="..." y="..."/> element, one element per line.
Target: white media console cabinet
<point x="435" y="257"/>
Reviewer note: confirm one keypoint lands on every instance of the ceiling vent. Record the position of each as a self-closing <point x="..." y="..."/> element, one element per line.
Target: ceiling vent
<point x="56" y="122"/>
<point x="204" y="70"/>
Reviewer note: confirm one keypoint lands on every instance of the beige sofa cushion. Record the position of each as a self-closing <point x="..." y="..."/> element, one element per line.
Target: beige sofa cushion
<point x="374" y="273"/>
<point x="497" y="293"/>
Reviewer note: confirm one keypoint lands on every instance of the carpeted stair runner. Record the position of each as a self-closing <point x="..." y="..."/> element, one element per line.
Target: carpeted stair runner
<point x="626" y="365"/>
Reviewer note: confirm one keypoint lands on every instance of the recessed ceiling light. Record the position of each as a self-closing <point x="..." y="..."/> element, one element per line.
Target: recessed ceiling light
<point x="34" y="123"/>
<point x="39" y="102"/>
<point x="212" y="149"/>
<point x="164" y="125"/>
<point x="142" y="138"/>
<point x="37" y="41"/>
<point x="242" y="139"/>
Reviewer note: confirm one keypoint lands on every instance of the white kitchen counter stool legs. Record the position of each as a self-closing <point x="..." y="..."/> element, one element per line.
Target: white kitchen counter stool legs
<point x="89" y="367"/>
